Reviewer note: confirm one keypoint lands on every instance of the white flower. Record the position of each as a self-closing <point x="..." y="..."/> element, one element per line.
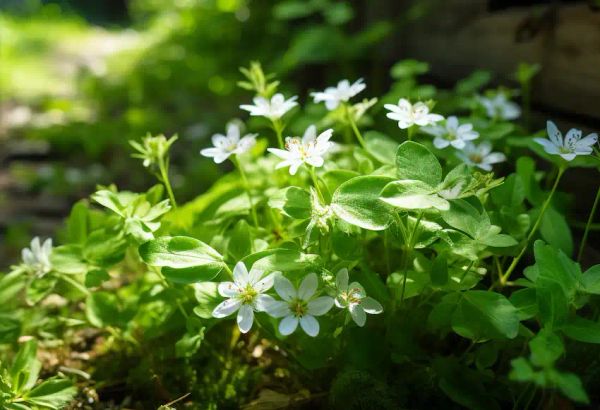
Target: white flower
<point x="571" y="146"/>
<point x="500" y="107"/>
<point x="333" y="96"/>
<point x="480" y="155"/>
<point x="37" y="258"/>
<point x="362" y="107"/>
<point x="298" y="306"/>
<point x="273" y="109"/>
<point x="354" y="298"/>
<point x="231" y="144"/>
<point x="408" y="114"/>
<point x="308" y="150"/>
<point x="452" y="133"/>
<point x="245" y="295"/>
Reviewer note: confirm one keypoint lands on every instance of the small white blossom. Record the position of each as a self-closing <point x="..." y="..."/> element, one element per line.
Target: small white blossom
<point x="37" y="257"/>
<point x="245" y="295"/>
<point x="298" y="305"/>
<point x="452" y="133"/>
<point x="308" y="150"/>
<point x="569" y="147"/>
<point x="359" y="109"/>
<point x="500" y="107"/>
<point x="408" y="114"/>
<point x="480" y="155"/>
<point x="354" y="298"/>
<point x="231" y="144"/>
<point x="273" y="109"/>
<point x="333" y="96"/>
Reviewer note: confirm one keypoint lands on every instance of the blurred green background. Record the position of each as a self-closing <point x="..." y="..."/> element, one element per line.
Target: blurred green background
<point x="78" y="79"/>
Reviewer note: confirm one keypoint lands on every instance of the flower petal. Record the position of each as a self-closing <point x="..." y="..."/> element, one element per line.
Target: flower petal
<point x="573" y="135"/>
<point x="554" y="133"/>
<point x="226" y="308"/>
<point x="320" y="305"/>
<point x="245" y="317"/>
<point x="310" y="325"/>
<point x="240" y="274"/>
<point x="265" y="283"/>
<point x="288" y="325"/>
<point x="371" y="306"/>
<point x="358" y="314"/>
<point x="308" y="287"/>
<point x="272" y="307"/>
<point x="228" y="289"/>
<point x="284" y="288"/>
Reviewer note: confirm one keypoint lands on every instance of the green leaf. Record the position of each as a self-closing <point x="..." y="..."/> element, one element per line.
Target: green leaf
<point x="284" y="260"/>
<point x="240" y="240"/>
<point x="189" y="344"/>
<point x="439" y="270"/>
<point x="77" y="223"/>
<point x="26" y="367"/>
<point x="555" y="230"/>
<point x="10" y="285"/>
<point x="380" y="146"/>
<point x="38" y="288"/>
<point x="68" y="259"/>
<point x="357" y="202"/>
<point x="185" y="259"/>
<point x="582" y="330"/>
<point x="590" y="280"/>
<point x="104" y="248"/>
<point x="570" y="385"/>
<point x="102" y="309"/>
<point x="292" y="201"/>
<point x="208" y="298"/>
<point x="485" y="315"/>
<point x="415" y="161"/>
<point x="54" y="393"/>
<point x="96" y="277"/>
<point x="525" y="300"/>
<point x="413" y="194"/>
<point x="10" y="328"/>
<point x="546" y="348"/>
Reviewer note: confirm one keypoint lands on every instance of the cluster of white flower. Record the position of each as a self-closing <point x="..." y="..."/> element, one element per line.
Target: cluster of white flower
<point x="297" y="306"/>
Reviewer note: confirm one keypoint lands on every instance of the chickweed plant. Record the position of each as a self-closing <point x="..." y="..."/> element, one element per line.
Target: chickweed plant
<point x="410" y="257"/>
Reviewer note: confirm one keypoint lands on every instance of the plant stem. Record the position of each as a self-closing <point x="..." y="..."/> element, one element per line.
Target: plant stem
<point x="163" y="166"/>
<point x="410" y="131"/>
<point x="587" y="226"/>
<point x="516" y="260"/>
<point x="409" y="250"/>
<point x="278" y="128"/>
<point x="315" y="180"/>
<point x="354" y="127"/>
<point x="237" y="164"/>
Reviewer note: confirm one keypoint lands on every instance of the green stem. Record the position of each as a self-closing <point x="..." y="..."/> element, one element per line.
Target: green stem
<point x="237" y="164"/>
<point x="354" y="127"/>
<point x="163" y="166"/>
<point x="315" y="180"/>
<point x="587" y="226"/>
<point x="410" y="132"/>
<point x="278" y="128"/>
<point x="409" y="251"/>
<point x="516" y="260"/>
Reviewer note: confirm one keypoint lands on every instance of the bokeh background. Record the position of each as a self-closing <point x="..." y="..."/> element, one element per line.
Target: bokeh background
<point x="79" y="78"/>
